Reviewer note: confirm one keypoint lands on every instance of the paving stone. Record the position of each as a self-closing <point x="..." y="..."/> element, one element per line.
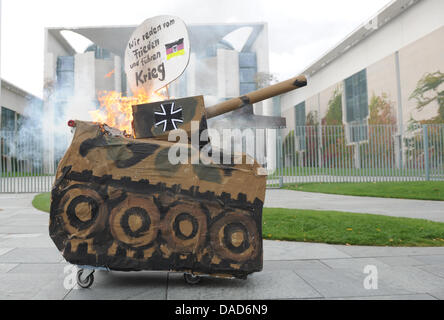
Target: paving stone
<point x="342" y="283"/>
<point x="357" y="264"/>
<point x="273" y="265"/>
<point x="6" y="267"/>
<point x="31" y="255"/>
<point x="31" y="286"/>
<point x="281" y="284"/>
<point x="438" y="294"/>
<point x="14" y="222"/>
<point x="437" y="270"/>
<point x="283" y="250"/>
<point x="23" y="229"/>
<point x="366" y="251"/>
<point x="4" y="251"/>
<point x="124" y="285"/>
<point x="14" y="201"/>
<point x="16" y="241"/>
<point x="32" y="268"/>
<point x="400" y="279"/>
<point x="431" y="259"/>
<point x="56" y="269"/>
<point x="412" y="279"/>
<point x="400" y="261"/>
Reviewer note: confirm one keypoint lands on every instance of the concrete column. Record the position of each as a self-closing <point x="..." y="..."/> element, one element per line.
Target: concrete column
<point x="400" y="120"/>
<point x="272" y="147"/>
<point x="320" y="146"/>
<point x="48" y="113"/>
<point x="191" y="76"/>
<point x="84" y="76"/>
<point x="117" y="74"/>
<point x="357" y="155"/>
<point x="0" y="57"/>
<point x="227" y="73"/>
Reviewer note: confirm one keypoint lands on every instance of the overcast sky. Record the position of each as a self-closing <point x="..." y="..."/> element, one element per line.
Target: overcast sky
<point x="299" y="31"/>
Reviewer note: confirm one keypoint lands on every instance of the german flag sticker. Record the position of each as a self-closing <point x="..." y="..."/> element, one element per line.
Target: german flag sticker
<point x="175" y="49"/>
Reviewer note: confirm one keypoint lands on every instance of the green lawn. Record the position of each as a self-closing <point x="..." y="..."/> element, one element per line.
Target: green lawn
<point x="372" y="172"/>
<point x="424" y="190"/>
<point x="350" y="228"/>
<point x="42" y="201"/>
<point x="23" y="174"/>
<point x="336" y="227"/>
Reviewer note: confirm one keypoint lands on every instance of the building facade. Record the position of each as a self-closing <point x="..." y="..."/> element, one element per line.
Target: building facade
<point x="14" y="101"/>
<point x="16" y="107"/>
<point x="218" y="69"/>
<point x="380" y="74"/>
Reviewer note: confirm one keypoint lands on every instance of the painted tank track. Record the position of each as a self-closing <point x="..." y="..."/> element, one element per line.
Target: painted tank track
<point x="223" y="236"/>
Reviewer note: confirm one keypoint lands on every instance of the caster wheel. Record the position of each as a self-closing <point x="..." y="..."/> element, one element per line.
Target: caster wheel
<point x="85" y="282"/>
<point x="191" y="278"/>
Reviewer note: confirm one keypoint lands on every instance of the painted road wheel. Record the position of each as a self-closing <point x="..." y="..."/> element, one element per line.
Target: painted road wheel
<point x="235" y="236"/>
<point x="134" y="222"/>
<point x="185" y="228"/>
<point x="84" y="212"/>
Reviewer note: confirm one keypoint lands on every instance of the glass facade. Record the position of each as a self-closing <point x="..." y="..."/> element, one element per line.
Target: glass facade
<point x="356" y="98"/>
<point x="65" y="74"/>
<point x="8" y="120"/>
<point x="299" y="113"/>
<point x="356" y="106"/>
<point x="247" y="72"/>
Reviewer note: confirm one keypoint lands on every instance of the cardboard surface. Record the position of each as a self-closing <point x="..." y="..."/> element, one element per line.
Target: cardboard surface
<point x="157" y="53"/>
<point x="118" y="202"/>
<point x="158" y="119"/>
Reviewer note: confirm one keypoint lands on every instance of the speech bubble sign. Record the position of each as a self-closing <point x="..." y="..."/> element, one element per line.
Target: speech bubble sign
<point x="157" y="53"/>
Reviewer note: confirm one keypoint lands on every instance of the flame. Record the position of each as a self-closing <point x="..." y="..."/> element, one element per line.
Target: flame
<point x="116" y="110"/>
<point x="109" y="74"/>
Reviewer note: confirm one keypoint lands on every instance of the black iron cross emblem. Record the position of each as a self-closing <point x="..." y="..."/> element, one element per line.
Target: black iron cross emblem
<point x="168" y="116"/>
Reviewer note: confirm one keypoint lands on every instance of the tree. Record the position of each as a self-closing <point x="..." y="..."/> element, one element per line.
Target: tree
<point x="312" y="118"/>
<point x="429" y="89"/>
<point x="334" y="112"/>
<point x="264" y="79"/>
<point x="381" y="110"/>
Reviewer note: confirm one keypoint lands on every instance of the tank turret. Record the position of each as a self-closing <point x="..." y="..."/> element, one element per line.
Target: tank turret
<point x="156" y="120"/>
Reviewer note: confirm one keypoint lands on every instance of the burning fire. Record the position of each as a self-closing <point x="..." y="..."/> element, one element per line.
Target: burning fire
<point x="116" y="110"/>
<point x="109" y="74"/>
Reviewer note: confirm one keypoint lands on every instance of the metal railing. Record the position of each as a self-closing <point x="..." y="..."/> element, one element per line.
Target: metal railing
<point x="359" y="153"/>
<point x="22" y="167"/>
<point x="353" y="153"/>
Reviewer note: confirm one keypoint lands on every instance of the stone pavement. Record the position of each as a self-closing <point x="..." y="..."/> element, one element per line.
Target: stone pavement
<point x="32" y="268"/>
<point x="420" y="209"/>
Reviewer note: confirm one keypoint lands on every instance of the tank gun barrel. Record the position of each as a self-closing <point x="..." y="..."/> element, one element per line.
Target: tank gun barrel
<point x="256" y="96"/>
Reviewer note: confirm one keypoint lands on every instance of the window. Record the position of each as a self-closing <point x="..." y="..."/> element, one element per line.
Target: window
<point x="356" y="99"/>
<point x="299" y="111"/>
<point x="276" y="106"/>
<point x="356" y="107"/>
<point x="247" y="72"/>
<point x="300" y="114"/>
<point x="8" y="119"/>
<point x="65" y="74"/>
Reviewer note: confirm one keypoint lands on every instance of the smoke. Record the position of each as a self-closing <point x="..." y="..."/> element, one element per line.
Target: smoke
<point x="42" y="136"/>
<point x="214" y="72"/>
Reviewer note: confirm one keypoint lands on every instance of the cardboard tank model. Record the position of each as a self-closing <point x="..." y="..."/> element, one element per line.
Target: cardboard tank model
<point x="119" y="203"/>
